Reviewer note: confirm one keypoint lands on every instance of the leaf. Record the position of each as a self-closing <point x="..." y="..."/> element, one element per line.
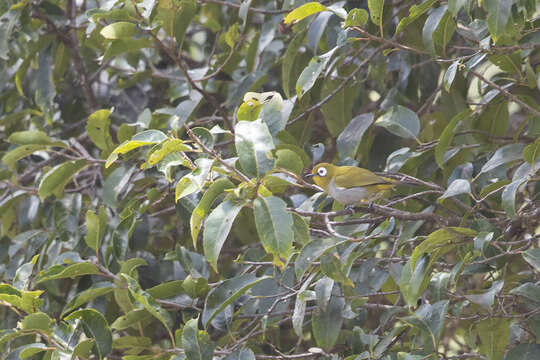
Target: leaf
<point x="196" y="343"/>
<point x="97" y="327"/>
<point x="310" y="253"/>
<point x="97" y="128"/>
<point x="376" y="13"/>
<point x="331" y="266"/>
<point x="356" y="17"/>
<point x="415" y="12"/>
<point x="450" y="75"/>
<point x="524" y="352"/>
<point x="531" y="152"/>
<point x="33" y="137"/>
<point x="326" y="324"/>
<point x="87" y="296"/>
<point x="349" y="140"/>
<point x="38" y="321"/>
<point x="528" y="290"/>
<point x="304" y="11"/>
<point x="187" y="9"/>
<point x="274" y="226"/>
<point x="532" y="256"/>
<point x="199" y="213"/>
<point x="494" y="119"/>
<point x="217" y="227"/>
<point x="311" y="73"/>
<point x="241" y="354"/>
<point x="70" y="271"/>
<point x="440" y="237"/>
<point x="487" y="299"/>
<point x="508" y="196"/>
<point x="45" y="89"/>
<point x="447" y="136"/>
<point x="147" y="137"/>
<point x="430" y="320"/>
<point x="253" y="143"/>
<point x="438" y="30"/>
<point x="457" y="187"/>
<point x="12" y="156"/>
<point x="226" y="293"/>
<point x="148" y="303"/>
<point x="289" y="58"/>
<point x="96" y="226"/>
<point x="167" y="147"/>
<point x="498" y="15"/>
<point x="414" y="279"/>
<point x="337" y="111"/>
<point x="119" y="30"/>
<point x="400" y="121"/>
<point x="494" y="335"/>
<point x="123" y="46"/>
<point x="56" y="179"/>
<point x="503" y="155"/>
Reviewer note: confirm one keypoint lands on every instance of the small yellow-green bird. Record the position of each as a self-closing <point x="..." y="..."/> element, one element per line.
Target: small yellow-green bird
<point x="349" y="185"/>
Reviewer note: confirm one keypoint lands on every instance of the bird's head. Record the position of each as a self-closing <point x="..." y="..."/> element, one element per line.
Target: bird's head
<point x="322" y="174"/>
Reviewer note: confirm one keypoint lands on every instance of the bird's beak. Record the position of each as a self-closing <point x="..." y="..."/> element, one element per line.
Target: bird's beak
<point x="309" y="175"/>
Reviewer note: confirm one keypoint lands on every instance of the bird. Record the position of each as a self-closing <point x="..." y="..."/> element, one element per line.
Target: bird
<point x="350" y="185"/>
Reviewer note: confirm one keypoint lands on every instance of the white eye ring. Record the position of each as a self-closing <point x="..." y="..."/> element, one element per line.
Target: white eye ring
<point x="322" y="171"/>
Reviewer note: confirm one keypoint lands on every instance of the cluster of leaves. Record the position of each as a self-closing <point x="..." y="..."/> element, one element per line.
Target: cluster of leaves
<point x="152" y="204"/>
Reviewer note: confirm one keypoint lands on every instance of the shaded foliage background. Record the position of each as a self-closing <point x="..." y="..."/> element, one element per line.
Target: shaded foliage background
<point x="151" y="211"/>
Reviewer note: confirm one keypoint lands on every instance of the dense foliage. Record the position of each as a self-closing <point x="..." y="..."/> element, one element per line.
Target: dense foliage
<point x="153" y="203"/>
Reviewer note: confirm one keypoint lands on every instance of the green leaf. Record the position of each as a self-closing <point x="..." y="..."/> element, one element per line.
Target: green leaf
<point x="147" y="137"/>
<point x="438" y="29"/>
<point x="274" y="226"/>
<point x="400" y="121"/>
<point x="38" y="321"/>
<point x="504" y="155"/>
<point x="287" y="67"/>
<point x="301" y="230"/>
<point x="457" y="187"/>
<point x="217" y="227"/>
<point x="531" y="152"/>
<point x="415" y="12"/>
<point x="226" y="293"/>
<point x="356" y="17"/>
<point x="45" y="89"/>
<point x="414" y="279"/>
<point x="350" y="138"/>
<point x="187" y="9"/>
<point x="430" y="320"/>
<point x="167" y="147"/>
<point x="529" y="290"/>
<point x="494" y="119"/>
<point x="326" y="324"/>
<point x="376" y="13"/>
<point x="499" y="12"/>
<point x="494" y="335"/>
<point x="532" y="256"/>
<point x="87" y="296"/>
<point x="440" y="237"/>
<point x="56" y="179"/>
<point x="199" y="213"/>
<point x="70" y="271"/>
<point x="487" y="298"/>
<point x="337" y="111"/>
<point x="524" y="352"/>
<point x="33" y="137"/>
<point x="508" y="196"/>
<point x="123" y="46"/>
<point x="311" y="73"/>
<point x="96" y="226"/>
<point x="196" y="343"/>
<point x="455" y="5"/>
<point x="97" y="327"/>
<point x="97" y="128"/>
<point x="119" y="30"/>
<point x="450" y="75"/>
<point x="331" y="266"/>
<point x="12" y="156"/>
<point x="253" y="143"/>
<point x="447" y="136"/>
<point x="310" y="253"/>
<point x="148" y="303"/>
<point x="304" y="11"/>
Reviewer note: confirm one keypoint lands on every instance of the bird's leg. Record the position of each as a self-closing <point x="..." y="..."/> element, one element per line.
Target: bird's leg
<point x="350" y="209"/>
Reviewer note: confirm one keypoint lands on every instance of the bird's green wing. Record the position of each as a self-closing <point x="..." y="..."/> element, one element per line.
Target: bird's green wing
<point x="351" y="176"/>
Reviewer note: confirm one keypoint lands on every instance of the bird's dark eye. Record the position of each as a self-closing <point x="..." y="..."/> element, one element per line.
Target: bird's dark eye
<point x="321" y="171"/>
